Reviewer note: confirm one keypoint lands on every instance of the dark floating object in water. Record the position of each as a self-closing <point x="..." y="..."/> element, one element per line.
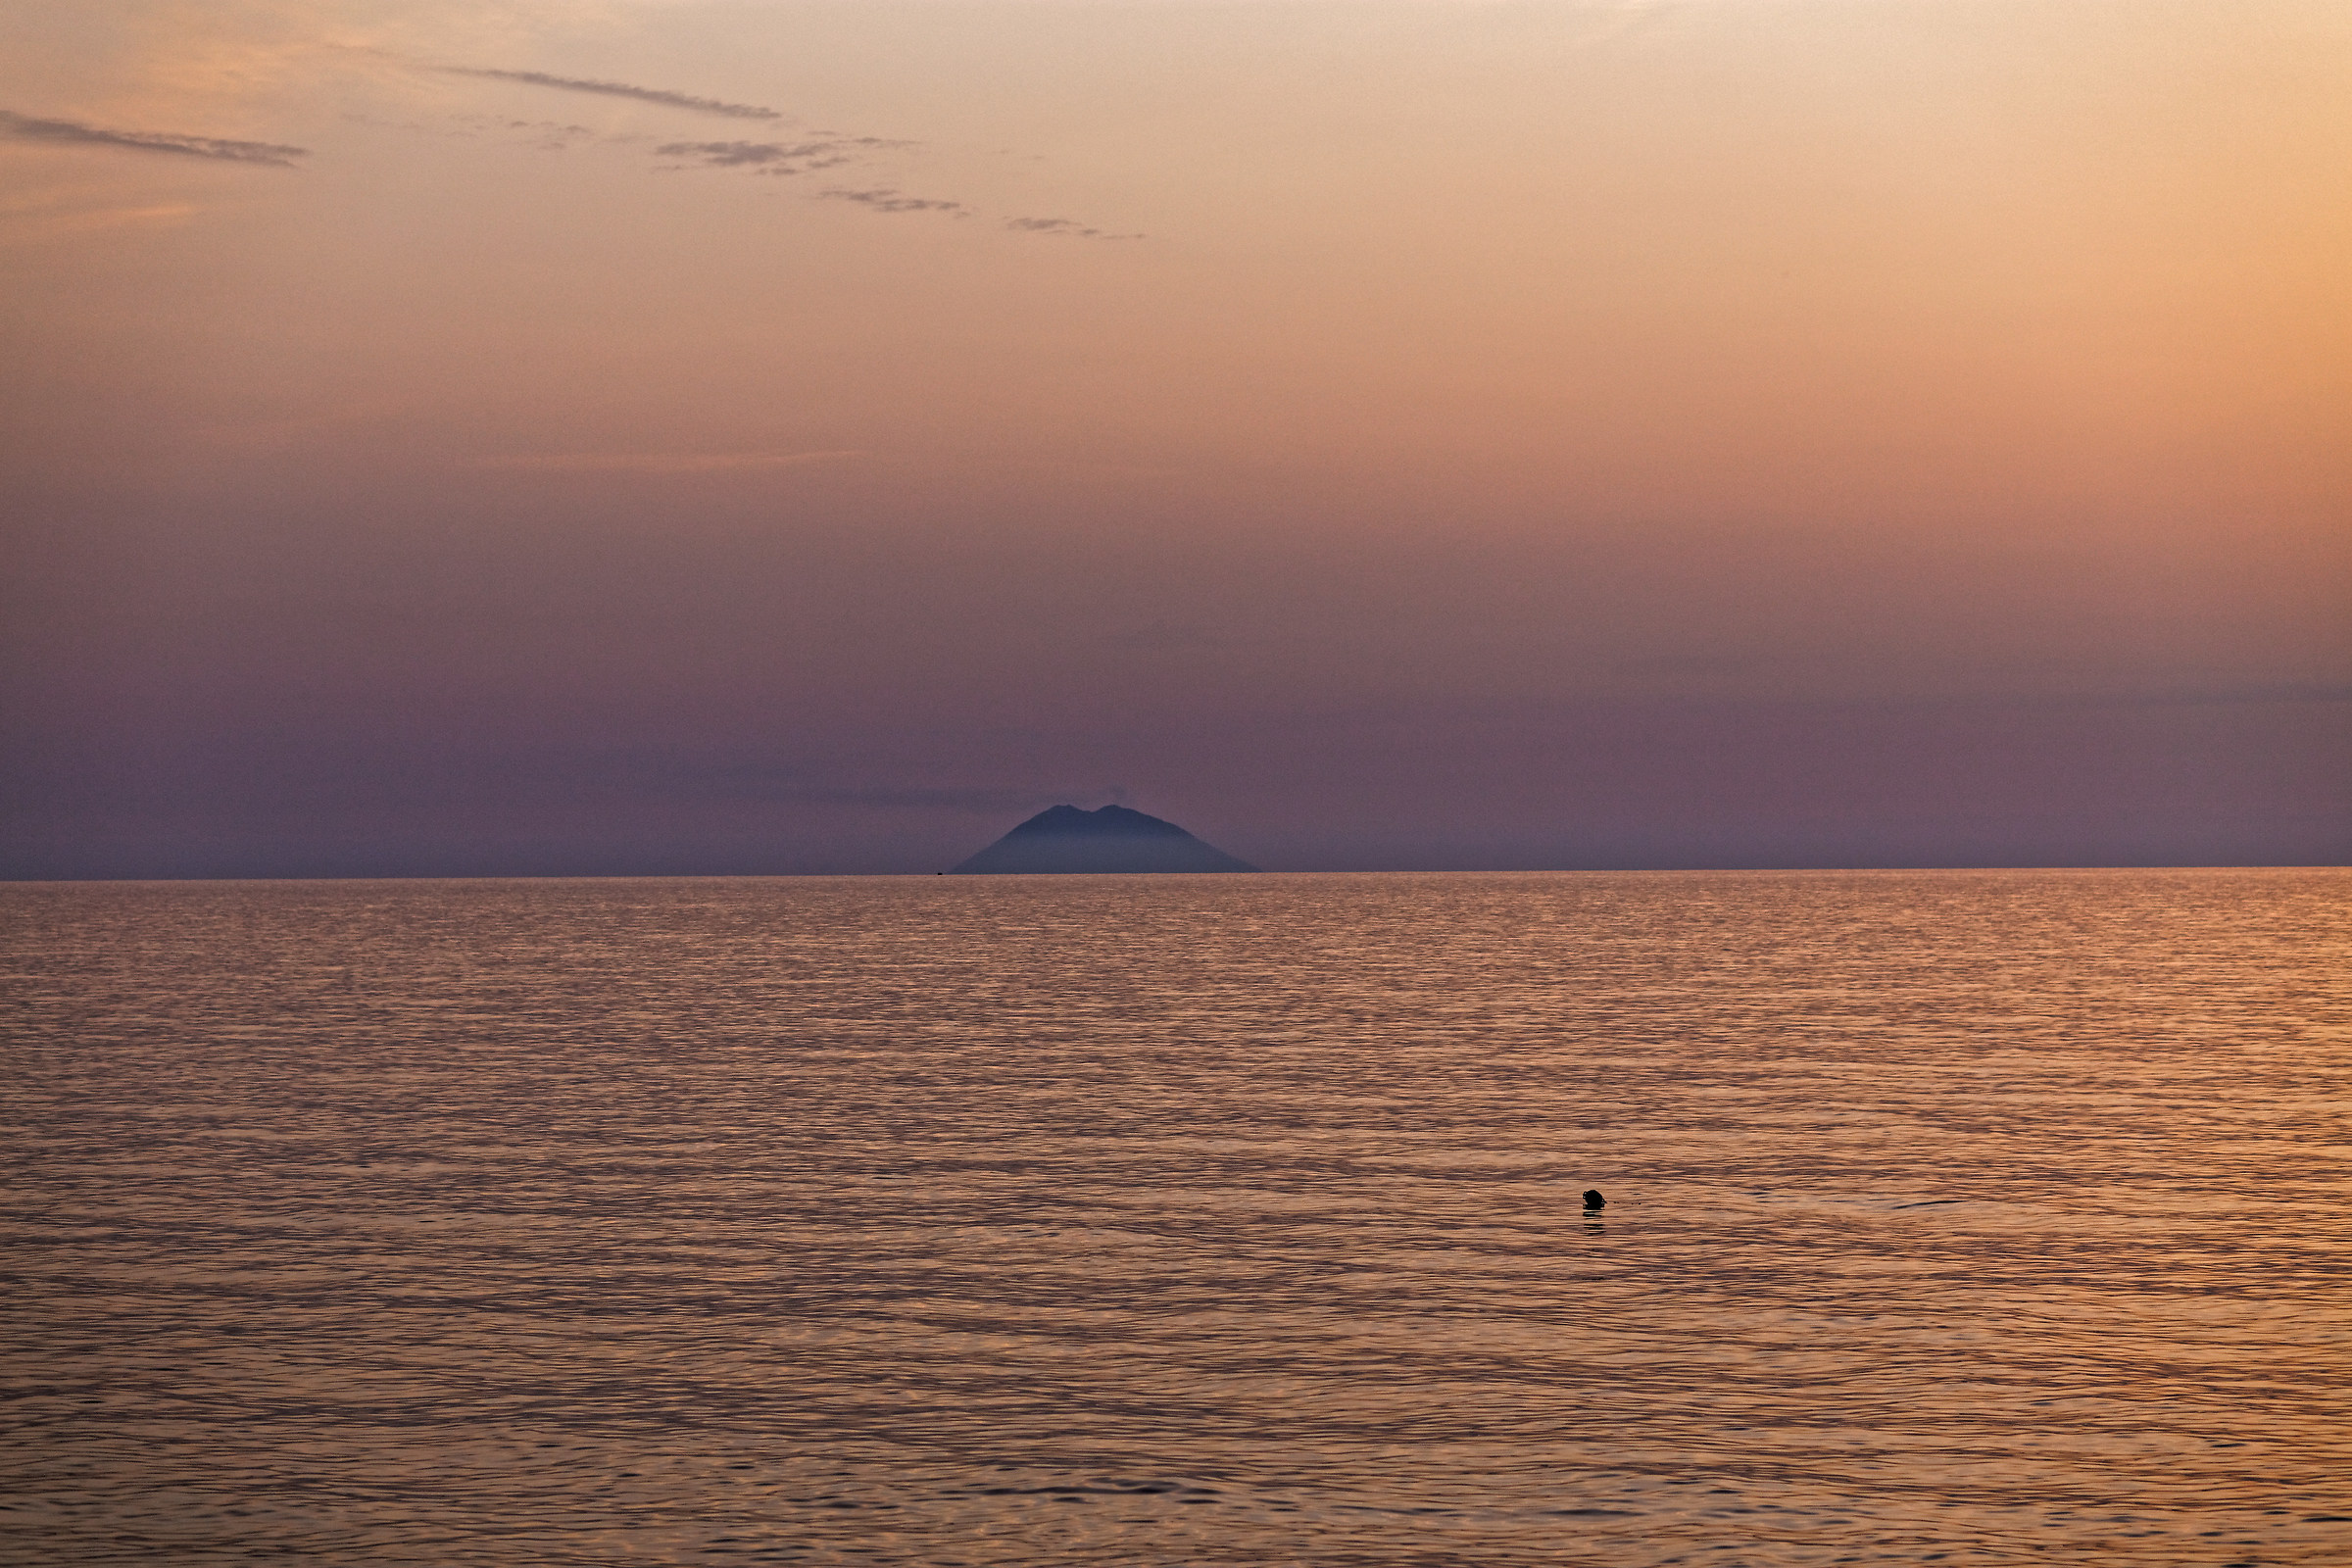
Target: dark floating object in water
<point x="1594" y="1200"/>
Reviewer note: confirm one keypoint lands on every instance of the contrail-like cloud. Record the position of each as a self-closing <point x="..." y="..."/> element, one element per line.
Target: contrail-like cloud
<point x="24" y="128"/>
<point x="618" y="89"/>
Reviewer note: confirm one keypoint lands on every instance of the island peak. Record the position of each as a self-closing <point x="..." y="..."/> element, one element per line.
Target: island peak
<point x="1069" y="840"/>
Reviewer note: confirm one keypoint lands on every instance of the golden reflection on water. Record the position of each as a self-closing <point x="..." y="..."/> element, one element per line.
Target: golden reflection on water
<point x="1967" y="1216"/>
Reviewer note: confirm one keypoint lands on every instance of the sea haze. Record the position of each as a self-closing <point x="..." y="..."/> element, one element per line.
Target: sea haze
<point x="1986" y="1217"/>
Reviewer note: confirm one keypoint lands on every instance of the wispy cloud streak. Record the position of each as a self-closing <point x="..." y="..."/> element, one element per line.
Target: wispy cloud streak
<point x="24" y="128"/>
<point x="808" y="153"/>
<point x="755" y="784"/>
<point x="660" y="462"/>
<point x="548" y="134"/>
<point x="663" y="772"/>
<point x="1069" y="227"/>
<point x="618" y="89"/>
<point x="890" y="201"/>
<point x="779" y="157"/>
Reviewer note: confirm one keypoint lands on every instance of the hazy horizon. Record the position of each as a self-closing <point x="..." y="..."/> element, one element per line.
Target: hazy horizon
<point x="672" y="436"/>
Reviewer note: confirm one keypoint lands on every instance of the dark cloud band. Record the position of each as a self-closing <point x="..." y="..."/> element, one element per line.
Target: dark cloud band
<point x="620" y="89"/>
<point x="25" y="128"/>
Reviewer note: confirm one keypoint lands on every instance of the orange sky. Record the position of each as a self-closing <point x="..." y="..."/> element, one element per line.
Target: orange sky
<point x="1046" y="368"/>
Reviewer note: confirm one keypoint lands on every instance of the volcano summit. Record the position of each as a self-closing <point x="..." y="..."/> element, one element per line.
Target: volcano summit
<point x="1063" y="839"/>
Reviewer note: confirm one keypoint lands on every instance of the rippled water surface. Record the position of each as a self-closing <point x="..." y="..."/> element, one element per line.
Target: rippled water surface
<point x="1967" y="1216"/>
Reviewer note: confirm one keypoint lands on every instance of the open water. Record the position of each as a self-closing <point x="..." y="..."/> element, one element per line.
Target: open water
<point x="1976" y="1217"/>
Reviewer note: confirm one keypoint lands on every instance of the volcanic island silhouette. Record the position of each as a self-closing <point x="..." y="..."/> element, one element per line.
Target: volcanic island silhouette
<point x="1064" y="840"/>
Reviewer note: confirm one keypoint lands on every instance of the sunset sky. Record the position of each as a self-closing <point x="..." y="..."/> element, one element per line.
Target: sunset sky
<point x="658" y="435"/>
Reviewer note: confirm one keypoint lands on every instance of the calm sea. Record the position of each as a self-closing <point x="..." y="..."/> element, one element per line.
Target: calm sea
<point x="1977" y="1217"/>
